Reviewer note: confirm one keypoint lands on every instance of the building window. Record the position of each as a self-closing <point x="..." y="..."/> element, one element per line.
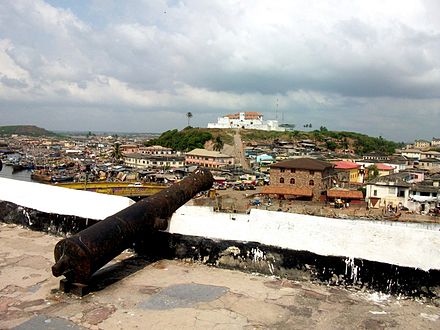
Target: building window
<point x="374" y="192"/>
<point x="282" y="170"/>
<point x="281" y="180"/>
<point x="311" y="183"/>
<point x="312" y="172"/>
<point x="292" y="170"/>
<point x="401" y="193"/>
<point x="292" y="181"/>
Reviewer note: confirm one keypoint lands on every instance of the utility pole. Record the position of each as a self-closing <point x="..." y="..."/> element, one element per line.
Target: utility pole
<point x="276" y="111"/>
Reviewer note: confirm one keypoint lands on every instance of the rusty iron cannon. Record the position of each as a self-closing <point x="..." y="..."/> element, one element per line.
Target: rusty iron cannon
<point x="79" y="256"/>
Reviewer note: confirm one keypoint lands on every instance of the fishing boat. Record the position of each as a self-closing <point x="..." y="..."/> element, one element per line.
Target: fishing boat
<point x="41" y="176"/>
<point x="17" y="167"/>
<point x="61" y="178"/>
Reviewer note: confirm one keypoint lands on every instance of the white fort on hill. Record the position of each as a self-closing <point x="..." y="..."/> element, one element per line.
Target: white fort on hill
<point x="248" y="120"/>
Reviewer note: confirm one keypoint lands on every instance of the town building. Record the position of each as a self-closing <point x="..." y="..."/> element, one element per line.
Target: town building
<point x="390" y="190"/>
<point x="348" y="173"/>
<point x="385" y="169"/>
<point x="435" y="142"/>
<point x="247" y="120"/>
<point x="430" y="154"/>
<point x="301" y="177"/>
<point x="144" y="161"/>
<point x="412" y="154"/>
<point x="376" y="156"/>
<point x="424" y="196"/>
<point x="343" y="196"/>
<point x="208" y="158"/>
<point x="421" y="144"/>
<point x="155" y="150"/>
<point x="431" y="164"/>
<point x="128" y="148"/>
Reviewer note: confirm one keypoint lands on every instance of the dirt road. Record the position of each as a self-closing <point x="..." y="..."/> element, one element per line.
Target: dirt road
<point x="239" y="151"/>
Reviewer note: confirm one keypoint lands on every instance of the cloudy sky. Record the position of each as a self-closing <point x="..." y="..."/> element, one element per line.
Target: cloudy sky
<point x="369" y="66"/>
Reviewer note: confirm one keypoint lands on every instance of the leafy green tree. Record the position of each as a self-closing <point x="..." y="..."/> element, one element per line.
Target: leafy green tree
<point x="218" y="144"/>
<point x="185" y="140"/>
<point x="318" y="135"/>
<point x="373" y="172"/>
<point x="331" y="145"/>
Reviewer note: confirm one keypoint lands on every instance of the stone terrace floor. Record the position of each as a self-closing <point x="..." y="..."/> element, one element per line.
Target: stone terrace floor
<point x="133" y="293"/>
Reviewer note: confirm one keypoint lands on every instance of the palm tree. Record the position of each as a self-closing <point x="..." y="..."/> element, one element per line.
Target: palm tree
<point x="116" y="152"/>
<point x="218" y="144"/>
<point x="189" y="116"/>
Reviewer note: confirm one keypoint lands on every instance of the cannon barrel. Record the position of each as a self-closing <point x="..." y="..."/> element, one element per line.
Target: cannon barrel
<point x="79" y="256"/>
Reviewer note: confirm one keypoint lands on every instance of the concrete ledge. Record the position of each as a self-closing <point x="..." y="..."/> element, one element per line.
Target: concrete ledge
<point x="294" y="265"/>
<point x="57" y="200"/>
<point x="251" y="256"/>
<point x="56" y="224"/>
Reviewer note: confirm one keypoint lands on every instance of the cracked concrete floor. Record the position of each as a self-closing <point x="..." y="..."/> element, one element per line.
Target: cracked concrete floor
<point x="132" y="293"/>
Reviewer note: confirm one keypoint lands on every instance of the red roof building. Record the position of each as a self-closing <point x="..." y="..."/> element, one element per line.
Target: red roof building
<point x="348" y="172"/>
<point x="345" y="165"/>
<point x="384" y="167"/>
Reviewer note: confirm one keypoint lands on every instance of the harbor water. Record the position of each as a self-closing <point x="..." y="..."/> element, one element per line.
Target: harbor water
<point x="6" y="172"/>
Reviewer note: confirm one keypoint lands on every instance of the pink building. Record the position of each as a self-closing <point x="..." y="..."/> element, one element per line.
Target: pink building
<point x="207" y="158"/>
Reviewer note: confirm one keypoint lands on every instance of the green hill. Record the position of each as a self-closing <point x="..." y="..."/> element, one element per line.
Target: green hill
<point x="190" y="138"/>
<point x="28" y="130"/>
<point x="332" y="140"/>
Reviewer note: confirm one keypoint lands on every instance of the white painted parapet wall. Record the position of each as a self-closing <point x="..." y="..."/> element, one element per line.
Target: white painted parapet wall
<point x="57" y="200"/>
<point x="403" y="244"/>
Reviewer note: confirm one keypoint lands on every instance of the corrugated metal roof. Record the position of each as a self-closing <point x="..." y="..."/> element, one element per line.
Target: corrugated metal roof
<point x="207" y="153"/>
<point x="341" y="193"/>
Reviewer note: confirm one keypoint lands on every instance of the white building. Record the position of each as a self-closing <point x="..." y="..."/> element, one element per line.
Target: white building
<point x="387" y="190"/>
<point x="156" y="150"/>
<point x="247" y="120"/>
<point x="412" y="153"/>
<point x="435" y="142"/>
<point x="144" y="161"/>
<point x="422" y="144"/>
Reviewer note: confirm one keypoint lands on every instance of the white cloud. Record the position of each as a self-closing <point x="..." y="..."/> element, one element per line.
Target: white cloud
<point x="336" y="62"/>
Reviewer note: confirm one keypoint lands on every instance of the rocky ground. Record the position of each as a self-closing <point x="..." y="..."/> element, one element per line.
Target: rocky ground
<point x="133" y="293"/>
